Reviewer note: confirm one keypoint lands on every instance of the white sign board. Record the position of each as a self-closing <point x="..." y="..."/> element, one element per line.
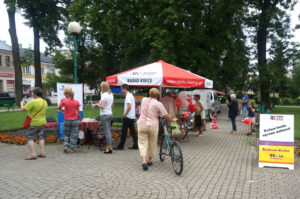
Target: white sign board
<point x="77" y="89"/>
<point x="276" y="141"/>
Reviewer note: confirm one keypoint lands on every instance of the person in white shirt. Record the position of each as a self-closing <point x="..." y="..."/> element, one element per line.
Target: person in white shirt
<point x="105" y="105"/>
<point x="128" y="119"/>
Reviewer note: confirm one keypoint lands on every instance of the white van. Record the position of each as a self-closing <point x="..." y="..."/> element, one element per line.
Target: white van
<point x="208" y="98"/>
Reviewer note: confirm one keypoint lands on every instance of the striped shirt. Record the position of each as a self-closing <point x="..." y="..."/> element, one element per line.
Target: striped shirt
<point x="150" y="110"/>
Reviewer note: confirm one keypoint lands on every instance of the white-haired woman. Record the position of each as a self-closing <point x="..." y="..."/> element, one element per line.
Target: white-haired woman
<point x="233" y="112"/>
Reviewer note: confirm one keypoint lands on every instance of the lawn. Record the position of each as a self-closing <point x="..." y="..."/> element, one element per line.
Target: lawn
<point x="14" y="120"/>
<point x="294" y="111"/>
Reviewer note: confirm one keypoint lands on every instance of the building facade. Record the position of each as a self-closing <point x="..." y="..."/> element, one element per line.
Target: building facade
<point x="7" y="72"/>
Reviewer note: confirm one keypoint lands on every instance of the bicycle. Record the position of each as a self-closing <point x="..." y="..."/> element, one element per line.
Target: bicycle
<point x="170" y="147"/>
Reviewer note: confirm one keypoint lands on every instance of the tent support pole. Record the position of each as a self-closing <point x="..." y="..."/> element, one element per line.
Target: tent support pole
<point x="160" y="92"/>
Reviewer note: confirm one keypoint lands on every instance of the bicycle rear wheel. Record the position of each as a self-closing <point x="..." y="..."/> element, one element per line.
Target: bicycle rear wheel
<point x="163" y="149"/>
<point x="177" y="158"/>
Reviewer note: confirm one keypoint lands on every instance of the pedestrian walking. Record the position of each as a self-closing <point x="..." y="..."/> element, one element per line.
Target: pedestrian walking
<point x="245" y="99"/>
<point x="151" y="108"/>
<point x="233" y="112"/>
<point x="106" y="103"/>
<point x="71" y="122"/>
<point x="37" y="112"/>
<point x="128" y="119"/>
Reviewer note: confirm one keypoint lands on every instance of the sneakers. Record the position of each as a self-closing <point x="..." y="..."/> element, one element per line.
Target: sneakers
<point x="118" y="148"/>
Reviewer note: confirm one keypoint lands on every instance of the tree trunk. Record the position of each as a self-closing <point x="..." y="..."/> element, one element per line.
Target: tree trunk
<point x="37" y="58"/>
<point x="16" y="56"/>
<point x="262" y="34"/>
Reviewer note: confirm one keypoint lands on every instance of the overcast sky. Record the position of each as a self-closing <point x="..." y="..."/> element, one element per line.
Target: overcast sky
<point x="25" y="34"/>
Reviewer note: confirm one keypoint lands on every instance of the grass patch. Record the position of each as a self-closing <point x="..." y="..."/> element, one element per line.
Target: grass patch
<point x="14" y="120"/>
<point x="292" y="111"/>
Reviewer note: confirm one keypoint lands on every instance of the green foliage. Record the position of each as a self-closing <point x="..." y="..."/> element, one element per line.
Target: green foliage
<point x="45" y="17"/>
<point x="205" y="37"/>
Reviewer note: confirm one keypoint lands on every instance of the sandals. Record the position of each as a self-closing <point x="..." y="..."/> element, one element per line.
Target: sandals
<point x="41" y="156"/>
<point x="31" y="158"/>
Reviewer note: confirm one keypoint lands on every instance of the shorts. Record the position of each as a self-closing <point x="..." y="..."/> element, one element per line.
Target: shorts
<point x="33" y="131"/>
<point x="198" y="121"/>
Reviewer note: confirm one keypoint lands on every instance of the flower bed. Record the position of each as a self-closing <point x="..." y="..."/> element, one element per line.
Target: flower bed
<point x="14" y="139"/>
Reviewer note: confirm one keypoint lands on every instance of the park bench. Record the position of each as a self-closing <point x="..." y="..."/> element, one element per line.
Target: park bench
<point x="9" y="103"/>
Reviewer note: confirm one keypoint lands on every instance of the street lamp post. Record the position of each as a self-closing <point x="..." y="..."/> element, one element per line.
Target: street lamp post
<point x="74" y="29"/>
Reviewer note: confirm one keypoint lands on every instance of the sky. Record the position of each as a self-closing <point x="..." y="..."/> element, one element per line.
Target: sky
<point x="25" y="33"/>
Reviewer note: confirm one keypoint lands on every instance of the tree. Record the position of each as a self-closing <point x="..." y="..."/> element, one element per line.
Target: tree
<point x="201" y="36"/>
<point x="11" y="10"/>
<point x="271" y="24"/>
<point x="44" y="17"/>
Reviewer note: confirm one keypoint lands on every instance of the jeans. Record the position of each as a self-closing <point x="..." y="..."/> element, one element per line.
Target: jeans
<point x="71" y="131"/>
<point x="244" y="111"/>
<point x="128" y="123"/>
<point x="233" y="123"/>
<point x="106" y="122"/>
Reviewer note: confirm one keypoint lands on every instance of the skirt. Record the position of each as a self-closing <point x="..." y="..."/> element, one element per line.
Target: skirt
<point x="198" y="121"/>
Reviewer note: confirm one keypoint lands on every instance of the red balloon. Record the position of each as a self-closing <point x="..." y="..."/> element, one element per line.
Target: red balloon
<point x="247" y="120"/>
<point x="192" y="107"/>
<point x="189" y="100"/>
<point x="185" y="114"/>
<point x="178" y="103"/>
<point x="214" y="127"/>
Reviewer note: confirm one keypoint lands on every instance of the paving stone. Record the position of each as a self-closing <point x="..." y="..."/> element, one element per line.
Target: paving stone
<point x="217" y="165"/>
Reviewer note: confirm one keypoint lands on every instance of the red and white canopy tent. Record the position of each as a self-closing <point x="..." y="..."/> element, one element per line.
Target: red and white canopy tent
<point x="159" y="74"/>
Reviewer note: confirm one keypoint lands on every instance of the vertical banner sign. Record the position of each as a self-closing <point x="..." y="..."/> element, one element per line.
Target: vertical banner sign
<point x="77" y="89"/>
<point x="276" y="141"/>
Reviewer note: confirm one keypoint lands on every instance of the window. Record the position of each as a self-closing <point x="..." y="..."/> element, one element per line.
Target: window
<point x="7" y="60"/>
<point x="0" y="60"/>
<point x="43" y="71"/>
<point x="26" y="70"/>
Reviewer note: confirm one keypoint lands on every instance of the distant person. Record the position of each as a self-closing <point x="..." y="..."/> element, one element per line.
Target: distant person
<point x="233" y="112"/>
<point x="71" y="122"/>
<point x="169" y="104"/>
<point x="37" y="112"/>
<point x="214" y="119"/>
<point x="128" y="119"/>
<point x="198" y="119"/>
<point x="105" y="105"/>
<point x="229" y="100"/>
<point x="151" y="108"/>
<point x="173" y="95"/>
<point x="251" y="114"/>
<point x="245" y="99"/>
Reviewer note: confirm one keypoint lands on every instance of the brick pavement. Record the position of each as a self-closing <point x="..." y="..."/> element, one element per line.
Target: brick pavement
<point x="217" y="165"/>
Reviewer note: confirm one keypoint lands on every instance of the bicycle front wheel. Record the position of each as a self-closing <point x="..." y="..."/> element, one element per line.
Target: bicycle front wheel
<point x="163" y="149"/>
<point x="177" y="158"/>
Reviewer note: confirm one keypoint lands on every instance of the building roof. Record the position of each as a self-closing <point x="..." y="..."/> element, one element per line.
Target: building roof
<point x="44" y="58"/>
<point x="4" y="46"/>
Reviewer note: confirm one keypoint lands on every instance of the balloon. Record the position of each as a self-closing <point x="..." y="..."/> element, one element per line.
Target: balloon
<point x="178" y="103"/>
<point x="189" y="100"/>
<point x="247" y="120"/>
<point x="214" y="127"/>
<point x="192" y="107"/>
<point x="185" y="114"/>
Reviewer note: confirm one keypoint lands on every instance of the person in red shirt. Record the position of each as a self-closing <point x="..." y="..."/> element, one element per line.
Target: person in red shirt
<point x="71" y="123"/>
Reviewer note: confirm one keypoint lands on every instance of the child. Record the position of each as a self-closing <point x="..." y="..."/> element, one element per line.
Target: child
<point x="71" y="123"/>
<point x="214" y="122"/>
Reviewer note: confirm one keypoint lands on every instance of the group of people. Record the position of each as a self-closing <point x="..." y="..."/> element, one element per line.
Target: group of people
<point x="148" y="123"/>
<point x="248" y="111"/>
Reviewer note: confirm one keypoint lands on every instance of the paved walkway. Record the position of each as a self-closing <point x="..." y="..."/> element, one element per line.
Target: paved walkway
<point x="217" y="165"/>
